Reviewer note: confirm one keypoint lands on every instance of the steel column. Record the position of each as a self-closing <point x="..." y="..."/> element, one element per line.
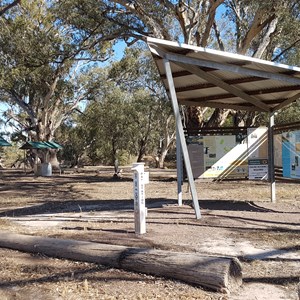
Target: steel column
<point x="271" y="157"/>
<point x="180" y="132"/>
<point x="179" y="168"/>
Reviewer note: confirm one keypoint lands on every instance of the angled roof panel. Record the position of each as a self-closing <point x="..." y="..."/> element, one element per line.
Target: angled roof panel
<point x="205" y="77"/>
<point x="4" y="143"/>
<point x="41" y="145"/>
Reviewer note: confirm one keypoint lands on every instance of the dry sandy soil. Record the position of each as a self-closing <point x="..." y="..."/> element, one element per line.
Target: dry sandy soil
<point x="237" y="220"/>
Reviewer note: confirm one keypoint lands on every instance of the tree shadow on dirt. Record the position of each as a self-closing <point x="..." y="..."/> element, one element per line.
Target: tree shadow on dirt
<point x="77" y="206"/>
<point x="273" y="280"/>
<point x="54" y="182"/>
<point x="232" y="205"/>
<point x="260" y="220"/>
<point x="98" y="270"/>
<point x="273" y="229"/>
<point x="84" y="178"/>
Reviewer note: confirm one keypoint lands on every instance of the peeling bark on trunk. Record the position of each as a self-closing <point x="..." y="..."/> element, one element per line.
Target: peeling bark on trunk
<point x="244" y="119"/>
<point x="218" y="118"/>
<point x="162" y="157"/>
<point x="167" y="142"/>
<point x="53" y="159"/>
<point x="193" y="117"/>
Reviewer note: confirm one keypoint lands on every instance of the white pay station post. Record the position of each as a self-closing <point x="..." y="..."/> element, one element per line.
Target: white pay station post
<point x="140" y="178"/>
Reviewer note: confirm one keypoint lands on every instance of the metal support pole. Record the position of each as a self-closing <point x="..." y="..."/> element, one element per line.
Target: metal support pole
<point x="183" y="145"/>
<point x="271" y="157"/>
<point x="179" y="168"/>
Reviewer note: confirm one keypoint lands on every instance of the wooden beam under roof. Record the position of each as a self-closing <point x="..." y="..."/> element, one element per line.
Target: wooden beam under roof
<point x="220" y="83"/>
<point x="251" y="93"/>
<point x="207" y="85"/>
<point x="184" y="73"/>
<point x="185" y="61"/>
<point x="287" y="102"/>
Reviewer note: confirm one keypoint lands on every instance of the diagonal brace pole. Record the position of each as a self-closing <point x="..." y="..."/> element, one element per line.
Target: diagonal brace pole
<point x="180" y="134"/>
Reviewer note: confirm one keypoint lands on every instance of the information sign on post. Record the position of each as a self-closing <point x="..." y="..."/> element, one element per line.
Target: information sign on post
<point x="258" y="169"/>
<point x="140" y="178"/>
<point x="257" y="153"/>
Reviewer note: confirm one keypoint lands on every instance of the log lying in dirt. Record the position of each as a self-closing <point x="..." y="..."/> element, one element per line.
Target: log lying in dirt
<point x="217" y="273"/>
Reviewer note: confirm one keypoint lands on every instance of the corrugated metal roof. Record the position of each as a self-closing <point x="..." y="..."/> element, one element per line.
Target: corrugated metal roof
<point x="211" y="78"/>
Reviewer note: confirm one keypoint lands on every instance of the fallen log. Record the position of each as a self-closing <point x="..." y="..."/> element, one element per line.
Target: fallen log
<point x="222" y="274"/>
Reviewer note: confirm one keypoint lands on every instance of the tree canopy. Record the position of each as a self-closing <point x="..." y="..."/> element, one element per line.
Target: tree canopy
<point x="41" y="67"/>
<point x="127" y="118"/>
<point x="49" y="50"/>
<point x="263" y="29"/>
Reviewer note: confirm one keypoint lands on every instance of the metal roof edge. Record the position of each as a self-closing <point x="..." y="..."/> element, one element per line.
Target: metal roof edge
<point x="220" y="53"/>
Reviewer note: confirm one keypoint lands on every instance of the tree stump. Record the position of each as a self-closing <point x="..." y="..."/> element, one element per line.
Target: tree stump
<point x="222" y="274"/>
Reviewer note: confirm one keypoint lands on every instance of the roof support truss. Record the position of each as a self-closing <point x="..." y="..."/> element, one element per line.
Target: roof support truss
<point x="228" y="67"/>
<point x="287" y="102"/>
<point x="220" y="83"/>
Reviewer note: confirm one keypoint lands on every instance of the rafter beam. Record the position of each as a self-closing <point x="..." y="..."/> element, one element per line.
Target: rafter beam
<point x="220" y="83"/>
<point x="287" y="102"/>
<point x="210" y="85"/>
<point x="251" y="93"/>
<point x="238" y="80"/>
<point x="201" y="86"/>
<point x="224" y="66"/>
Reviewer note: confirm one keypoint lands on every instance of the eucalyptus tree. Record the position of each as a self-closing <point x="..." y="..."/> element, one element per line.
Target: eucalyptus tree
<point x="126" y="117"/>
<point x="264" y="29"/>
<point x="153" y="117"/>
<point x="123" y="125"/>
<point x="44" y="64"/>
<point x="108" y="126"/>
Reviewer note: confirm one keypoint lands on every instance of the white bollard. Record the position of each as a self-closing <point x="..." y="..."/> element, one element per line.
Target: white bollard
<point x="140" y="178"/>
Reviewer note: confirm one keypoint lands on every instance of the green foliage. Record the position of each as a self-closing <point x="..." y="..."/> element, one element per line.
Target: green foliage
<point x="288" y="114"/>
<point x="44" y="44"/>
<point x="74" y="141"/>
<point x="108" y="121"/>
<point x="11" y="155"/>
<point x="125" y="118"/>
<point x="41" y="66"/>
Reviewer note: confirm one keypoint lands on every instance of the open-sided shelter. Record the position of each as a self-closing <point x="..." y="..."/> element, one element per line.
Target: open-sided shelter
<point x="45" y="168"/>
<point x="203" y="77"/>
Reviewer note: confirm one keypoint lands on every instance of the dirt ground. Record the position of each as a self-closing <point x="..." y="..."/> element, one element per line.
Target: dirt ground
<point x="237" y="220"/>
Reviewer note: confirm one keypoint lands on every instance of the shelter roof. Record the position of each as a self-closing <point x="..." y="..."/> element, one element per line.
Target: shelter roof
<point x="41" y="145"/>
<point x="3" y="142"/>
<point x="211" y="78"/>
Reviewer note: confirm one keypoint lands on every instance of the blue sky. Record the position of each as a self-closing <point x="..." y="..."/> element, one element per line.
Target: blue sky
<point x="119" y="49"/>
